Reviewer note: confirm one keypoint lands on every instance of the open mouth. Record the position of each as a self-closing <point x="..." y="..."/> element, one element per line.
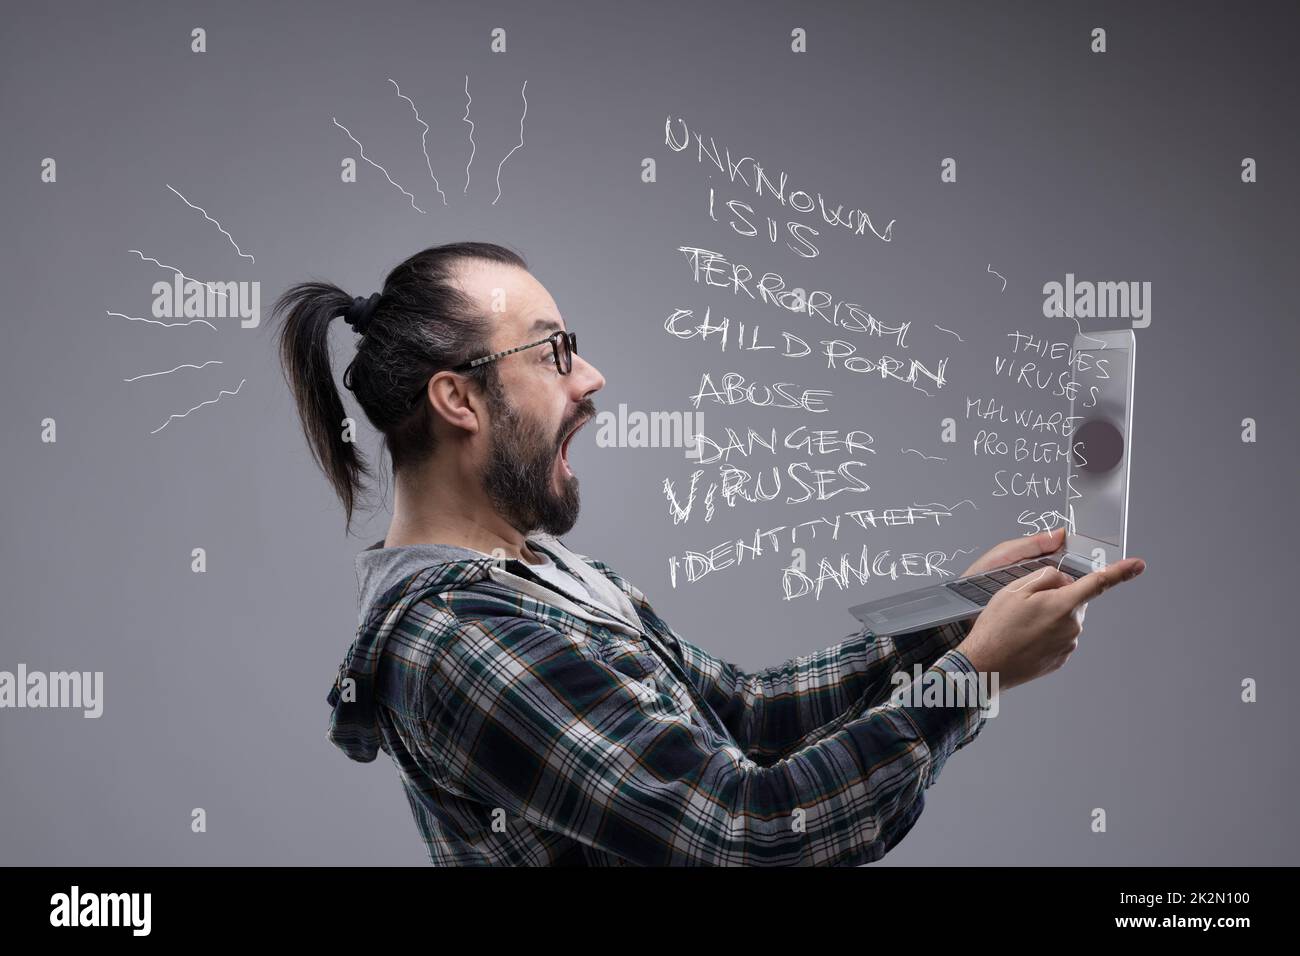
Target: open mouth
<point x="564" y="447"/>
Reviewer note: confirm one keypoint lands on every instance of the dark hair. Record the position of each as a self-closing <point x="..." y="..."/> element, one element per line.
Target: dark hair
<point x="421" y="323"/>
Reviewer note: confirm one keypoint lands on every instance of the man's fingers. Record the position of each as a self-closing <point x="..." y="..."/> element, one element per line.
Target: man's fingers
<point x="1048" y="541"/>
<point x="1091" y="585"/>
<point x="1033" y="546"/>
<point x="1018" y="549"/>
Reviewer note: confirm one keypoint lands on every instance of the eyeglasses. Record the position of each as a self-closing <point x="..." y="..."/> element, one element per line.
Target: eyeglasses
<point x="563" y="345"/>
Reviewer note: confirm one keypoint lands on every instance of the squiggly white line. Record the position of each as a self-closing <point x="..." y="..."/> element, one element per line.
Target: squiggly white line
<point x="213" y="221"/>
<point x="210" y="401"/>
<point x="423" y="137"/>
<point x="1085" y="334"/>
<point x="170" y="370"/>
<point x="949" y="507"/>
<point x="1000" y="276"/>
<point x="1024" y="582"/>
<point x="136" y="318"/>
<point x="466" y="118"/>
<point x="377" y="166"/>
<point x="179" y="273"/>
<point x="950" y="331"/>
<point x="926" y="457"/>
<point x="523" y="93"/>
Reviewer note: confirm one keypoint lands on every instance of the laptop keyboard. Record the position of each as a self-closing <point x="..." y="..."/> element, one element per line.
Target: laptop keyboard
<point x="980" y="588"/>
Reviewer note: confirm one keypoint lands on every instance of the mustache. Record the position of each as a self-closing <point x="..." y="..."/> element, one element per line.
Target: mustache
<point x="586" y="409"/>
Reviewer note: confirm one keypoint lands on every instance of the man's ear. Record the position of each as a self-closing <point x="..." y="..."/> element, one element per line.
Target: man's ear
<point x="457" y="401"/>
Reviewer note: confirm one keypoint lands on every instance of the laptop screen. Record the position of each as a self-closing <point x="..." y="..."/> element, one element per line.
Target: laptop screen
<point x="1097" y="483"/>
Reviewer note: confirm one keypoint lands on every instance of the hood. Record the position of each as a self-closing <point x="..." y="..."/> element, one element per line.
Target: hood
<point x="379" y="568"/>
<point x="389" y="581"/>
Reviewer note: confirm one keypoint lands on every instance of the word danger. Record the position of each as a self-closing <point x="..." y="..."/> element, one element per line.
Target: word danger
<point x="815" y="442"/>
<point x="796" y="583"/>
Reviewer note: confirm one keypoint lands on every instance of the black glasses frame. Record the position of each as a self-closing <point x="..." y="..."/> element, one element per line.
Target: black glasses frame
<point x="564" y="346"/>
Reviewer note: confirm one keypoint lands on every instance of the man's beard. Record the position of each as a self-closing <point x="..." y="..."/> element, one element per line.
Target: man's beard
<point x="520" y="468"/>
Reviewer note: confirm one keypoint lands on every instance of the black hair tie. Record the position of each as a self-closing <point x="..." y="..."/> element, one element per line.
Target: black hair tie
<point x="359" y="312"/>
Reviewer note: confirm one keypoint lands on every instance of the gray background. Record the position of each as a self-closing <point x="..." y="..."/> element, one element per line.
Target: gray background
<point x="1123" y="166"/>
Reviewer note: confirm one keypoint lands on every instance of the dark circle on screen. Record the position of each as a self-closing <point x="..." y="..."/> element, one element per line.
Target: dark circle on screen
<point x="1102" y="447"/>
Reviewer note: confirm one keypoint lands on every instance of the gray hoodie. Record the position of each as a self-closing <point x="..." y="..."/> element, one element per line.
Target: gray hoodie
<point x="379" y="568"/>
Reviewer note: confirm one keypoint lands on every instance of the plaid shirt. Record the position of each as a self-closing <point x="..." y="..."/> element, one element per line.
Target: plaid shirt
<point x="530" y="729"/>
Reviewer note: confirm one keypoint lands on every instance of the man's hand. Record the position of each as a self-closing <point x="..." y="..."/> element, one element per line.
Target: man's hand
<point x="1031" y="627"/>
<point x="1017" y="549"/>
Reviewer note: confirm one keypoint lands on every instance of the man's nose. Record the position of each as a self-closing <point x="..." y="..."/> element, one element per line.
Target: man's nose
<point x="586" y="378"/>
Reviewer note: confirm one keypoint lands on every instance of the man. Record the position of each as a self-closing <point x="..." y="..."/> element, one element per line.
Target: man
<point x="539" y="711"/>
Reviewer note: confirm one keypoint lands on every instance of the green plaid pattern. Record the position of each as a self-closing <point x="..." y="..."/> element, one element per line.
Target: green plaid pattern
<point x="526" y="735"/>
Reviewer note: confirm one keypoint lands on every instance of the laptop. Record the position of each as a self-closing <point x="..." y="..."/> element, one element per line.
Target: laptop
<point x="1093" y="504"/>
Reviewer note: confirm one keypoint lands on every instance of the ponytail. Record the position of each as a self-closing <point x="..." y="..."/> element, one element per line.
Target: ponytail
<point x="305" y="358"/>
